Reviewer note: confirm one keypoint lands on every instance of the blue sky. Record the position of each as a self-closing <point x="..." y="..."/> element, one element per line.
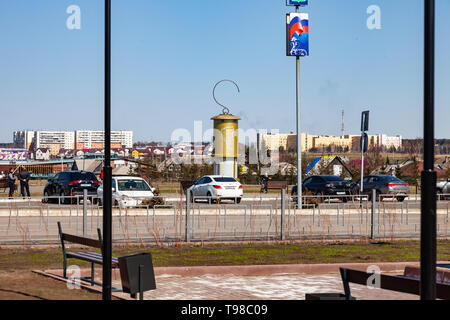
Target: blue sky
<point x="167" y="56"/>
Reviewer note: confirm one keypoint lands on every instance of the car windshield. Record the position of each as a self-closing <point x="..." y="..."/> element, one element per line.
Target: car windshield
<point x="132" y="185"/>
<point x="332" y="178"/>
<point x="224" y="179"/>
<point x="75" y="176"/>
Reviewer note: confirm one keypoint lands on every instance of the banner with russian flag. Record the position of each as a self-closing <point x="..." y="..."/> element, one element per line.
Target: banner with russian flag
<point x="297" y="34"/>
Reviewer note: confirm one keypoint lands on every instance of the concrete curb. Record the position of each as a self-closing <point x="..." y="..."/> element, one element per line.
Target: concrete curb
<point x="267" y="270"/>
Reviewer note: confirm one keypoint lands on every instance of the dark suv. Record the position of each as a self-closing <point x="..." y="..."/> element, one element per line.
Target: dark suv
<point x="324" y="185"/>
<point x="70" y="184"/>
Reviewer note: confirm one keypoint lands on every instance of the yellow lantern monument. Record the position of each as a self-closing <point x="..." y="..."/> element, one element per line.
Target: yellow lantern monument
<point x="225" y="140"/>
<point x="226" y="145"/>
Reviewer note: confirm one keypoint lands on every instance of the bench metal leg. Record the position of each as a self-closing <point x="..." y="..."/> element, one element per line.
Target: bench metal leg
<point x="65" y="267"/>
<point x="92" y="273"/>
<point x="346" y="284"/>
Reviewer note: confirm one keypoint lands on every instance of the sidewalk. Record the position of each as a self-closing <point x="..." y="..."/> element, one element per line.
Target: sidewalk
<point x="278" y="282"/>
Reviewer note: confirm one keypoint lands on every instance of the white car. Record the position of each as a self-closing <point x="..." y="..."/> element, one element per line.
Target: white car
<point x="216" y="188"/>
<point x="128" y="191"/>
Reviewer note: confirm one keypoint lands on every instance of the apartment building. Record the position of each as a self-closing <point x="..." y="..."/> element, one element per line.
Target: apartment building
<point x="87" y="139"/>
<point x="23" y="139"/>
<point x="51" y="139"/>
<point x="344" y="142"/>
<point x="288" y="142"/>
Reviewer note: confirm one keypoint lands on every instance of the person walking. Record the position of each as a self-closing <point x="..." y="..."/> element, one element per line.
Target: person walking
<point x="24" y="177"/>
<point x="11" y="182"/>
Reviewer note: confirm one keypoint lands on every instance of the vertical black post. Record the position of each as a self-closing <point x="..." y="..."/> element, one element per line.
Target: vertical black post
<point x="107" y="171"/>
<point x="141" y="282"/>
<point x="283" y="207"/>
<point x="428" y="201"/>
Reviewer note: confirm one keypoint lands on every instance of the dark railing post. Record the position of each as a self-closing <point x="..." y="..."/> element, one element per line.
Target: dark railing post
<point x="187" y="227"/>
<point x="107" y="170"/>
<point x="428" y="197"/>
<point x="372" y="214"/>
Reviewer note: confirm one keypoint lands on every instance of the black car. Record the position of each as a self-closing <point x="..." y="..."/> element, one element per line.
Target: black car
<point x="70" y="184"/>
<point x="324" y="185"/>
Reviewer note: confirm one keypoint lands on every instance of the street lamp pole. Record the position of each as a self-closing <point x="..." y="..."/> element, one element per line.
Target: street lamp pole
<point x="299" y="134"/>
<point x="428" y="196"/>
<point x="107" y="170"/>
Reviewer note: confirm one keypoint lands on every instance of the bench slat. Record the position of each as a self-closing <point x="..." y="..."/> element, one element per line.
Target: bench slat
<point x="274" y="184"/>
<point x="80" y="240"/>
<point x="91" y="257"/>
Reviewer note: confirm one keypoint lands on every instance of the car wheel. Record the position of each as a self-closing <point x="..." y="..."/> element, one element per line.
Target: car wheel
<point x="379" y="197"/>
<point x="238" y="200"/>
<point x="46" y="197"/>
<point x="209" y="199"/>
<point x="400" y="199"/>
<point x="62" y="198"/>
<point x="192" y="197"/>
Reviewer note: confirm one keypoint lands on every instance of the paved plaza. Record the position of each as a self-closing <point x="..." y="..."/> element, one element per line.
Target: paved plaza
<point x="285" y="282"/>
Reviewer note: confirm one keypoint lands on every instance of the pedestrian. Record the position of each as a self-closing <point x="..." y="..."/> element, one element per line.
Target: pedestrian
<point x="11" y="182"/>
<point x="24" y="177"/>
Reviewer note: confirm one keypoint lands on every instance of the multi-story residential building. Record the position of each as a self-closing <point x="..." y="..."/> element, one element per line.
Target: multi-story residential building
<point x="23" y="139"/>
<point x="87" y="139"/>
<point x="288" y="142"/>
<point x="55" y="140"/>
<point x="344" y="142"/>
<point x="390" y="142"/>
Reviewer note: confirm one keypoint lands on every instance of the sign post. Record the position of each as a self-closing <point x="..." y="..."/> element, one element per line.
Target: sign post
<point x="297" y="44"/>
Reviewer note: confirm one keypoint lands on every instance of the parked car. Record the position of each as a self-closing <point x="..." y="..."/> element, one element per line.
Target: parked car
<point x="128" y="191"/>
<point x="443" y="188"/>
<point x="385" y="186"/>
<point x="68" y="184"/>
<point x="216" y="188"/>
<point x="324" y="185"/>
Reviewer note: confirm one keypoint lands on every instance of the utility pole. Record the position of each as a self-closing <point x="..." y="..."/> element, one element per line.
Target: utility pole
<point x="428" y="196"/>
<point x="107" y="170"/>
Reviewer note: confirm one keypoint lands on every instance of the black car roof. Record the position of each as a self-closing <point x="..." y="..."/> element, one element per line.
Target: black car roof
<point x="325" y="176"/>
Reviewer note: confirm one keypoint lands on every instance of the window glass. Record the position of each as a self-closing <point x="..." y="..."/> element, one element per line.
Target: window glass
<point x="332" y="178"/>
<point x="76" y="176"/>
<point x="133" y="185"/>
<point x="225" y="179"/>
<point x="316" y="180"/>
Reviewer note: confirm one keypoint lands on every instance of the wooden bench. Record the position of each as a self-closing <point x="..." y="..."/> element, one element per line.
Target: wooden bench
<point x="276" y="185"/>
<point x="409" y="282"/>
<point x="92" y="257"/>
